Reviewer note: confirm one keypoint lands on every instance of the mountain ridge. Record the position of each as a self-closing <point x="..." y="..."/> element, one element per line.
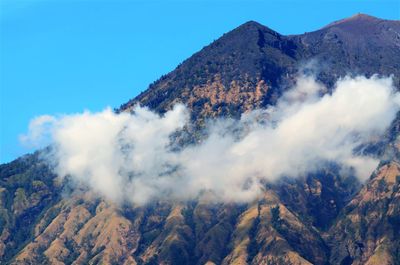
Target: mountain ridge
<point x="356" y="17"/>
<point x="287" y="55"/>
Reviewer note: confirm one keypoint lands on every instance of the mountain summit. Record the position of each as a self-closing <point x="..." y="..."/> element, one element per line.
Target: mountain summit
<point x="357" y="20"/>
<point x="321" y="218"/>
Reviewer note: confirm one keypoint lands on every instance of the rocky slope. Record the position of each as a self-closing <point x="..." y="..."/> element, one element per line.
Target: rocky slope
<point x="368" y="229"/>
<point x="323" y="218"/>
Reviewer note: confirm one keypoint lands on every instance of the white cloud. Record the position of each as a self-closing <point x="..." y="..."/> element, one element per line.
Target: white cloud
<point x="39" y="131"/>
<point x="129" y="157"/>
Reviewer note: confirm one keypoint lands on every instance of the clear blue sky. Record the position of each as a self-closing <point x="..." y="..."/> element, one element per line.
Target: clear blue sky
<point x="67" y="56"/>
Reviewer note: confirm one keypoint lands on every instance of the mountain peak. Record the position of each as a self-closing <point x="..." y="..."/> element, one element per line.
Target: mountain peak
<point x="252" y="25"/>
<point x="358" y="18"/>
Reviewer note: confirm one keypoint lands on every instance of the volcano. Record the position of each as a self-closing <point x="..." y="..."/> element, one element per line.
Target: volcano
<point x="320" y="218"/>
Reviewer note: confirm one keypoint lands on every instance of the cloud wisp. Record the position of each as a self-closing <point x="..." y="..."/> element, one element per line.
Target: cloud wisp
<point x="130" y="156"/>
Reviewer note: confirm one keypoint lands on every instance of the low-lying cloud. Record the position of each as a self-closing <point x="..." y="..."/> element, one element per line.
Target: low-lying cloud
<point x="130" y="156"/>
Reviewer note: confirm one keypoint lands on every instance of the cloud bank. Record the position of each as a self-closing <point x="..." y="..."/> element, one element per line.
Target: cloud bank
<point x="131" y="156"/>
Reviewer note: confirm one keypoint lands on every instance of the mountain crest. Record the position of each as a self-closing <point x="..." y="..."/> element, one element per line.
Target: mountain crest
<point x="356" y="18"/>
<point x="251" y="24"/>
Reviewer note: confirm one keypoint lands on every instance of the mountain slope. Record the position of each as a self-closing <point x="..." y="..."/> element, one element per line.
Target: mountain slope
<point x="357" y="45"/>
<point x="368" y="230"/>
<point x="320" y="218"/>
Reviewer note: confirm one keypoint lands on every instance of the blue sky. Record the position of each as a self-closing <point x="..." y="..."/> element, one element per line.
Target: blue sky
<point x="67" y="56"/>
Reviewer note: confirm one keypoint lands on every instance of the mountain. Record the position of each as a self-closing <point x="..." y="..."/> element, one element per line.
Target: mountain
<point x="319" y="218"/>
<point x="251" y="65"/>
